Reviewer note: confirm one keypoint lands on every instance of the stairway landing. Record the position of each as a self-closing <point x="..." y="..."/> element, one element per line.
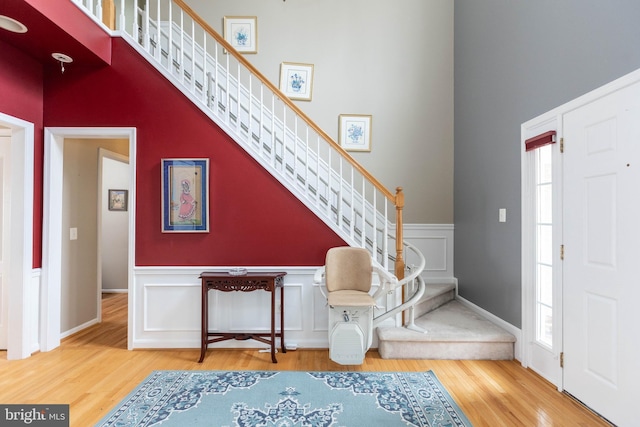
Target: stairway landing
<point x="454" y="332"/>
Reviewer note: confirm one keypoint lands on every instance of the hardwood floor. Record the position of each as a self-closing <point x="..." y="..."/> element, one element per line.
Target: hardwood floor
<point x="93" y="371"/>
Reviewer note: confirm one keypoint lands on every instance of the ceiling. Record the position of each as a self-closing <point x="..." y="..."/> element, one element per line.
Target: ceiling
<point x="44" y="37"/>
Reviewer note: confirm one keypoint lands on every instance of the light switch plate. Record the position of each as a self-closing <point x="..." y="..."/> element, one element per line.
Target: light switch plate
<point x="502" y="215"/>
<point x="73" y="233"/>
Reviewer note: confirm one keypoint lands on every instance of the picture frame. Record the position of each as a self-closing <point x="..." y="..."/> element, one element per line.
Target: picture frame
<point x="241" y="32"/>
<point x="185" y="195"/>
<point x="296" y="80"/>
<point x="118" y="200"/>
<point x="354" y="131"/>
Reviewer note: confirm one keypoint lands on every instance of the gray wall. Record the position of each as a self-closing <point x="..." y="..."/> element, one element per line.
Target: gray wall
<point x="370" y="57"/>
<point x="515" y="60"/>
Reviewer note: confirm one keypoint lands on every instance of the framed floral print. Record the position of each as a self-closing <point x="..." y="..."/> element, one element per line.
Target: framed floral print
<point x="354" y="132"/>
<point x="296" y="80"/>
<point x="241" y="32"/>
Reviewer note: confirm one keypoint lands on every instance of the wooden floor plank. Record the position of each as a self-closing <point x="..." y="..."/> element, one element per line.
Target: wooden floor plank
<point x="93" y="371"/>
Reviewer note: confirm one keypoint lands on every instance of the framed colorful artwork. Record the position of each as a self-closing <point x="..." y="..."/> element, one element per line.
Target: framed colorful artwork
<point x="241" y="32"/>
<point x="118" y="200"/>
<point x="354" y="131"/>
<point x="296" y="80"/>
<point x="185" y="195"/>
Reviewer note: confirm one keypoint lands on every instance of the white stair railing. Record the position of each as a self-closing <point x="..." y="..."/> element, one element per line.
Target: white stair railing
<point x="267" y="124"/>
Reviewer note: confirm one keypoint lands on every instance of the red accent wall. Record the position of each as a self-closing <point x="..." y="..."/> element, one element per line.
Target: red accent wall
<point x="21" y="96"/>
<point x="253" y="219"/>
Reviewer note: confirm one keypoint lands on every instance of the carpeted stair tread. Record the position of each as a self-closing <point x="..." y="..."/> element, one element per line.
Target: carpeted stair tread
<point x="454" y="332"/>
<point x="450" y="322"/>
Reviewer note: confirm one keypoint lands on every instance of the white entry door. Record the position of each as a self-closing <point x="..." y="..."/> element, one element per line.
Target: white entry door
<point x="601" y="226"/>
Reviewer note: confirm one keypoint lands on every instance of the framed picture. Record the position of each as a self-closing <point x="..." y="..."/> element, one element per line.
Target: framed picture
<point x="185" y="195"/>
<point x="296" y="80"/>
<point x="241" y="32"/>
<point x="118" y="200"/>
<point x="354" y="132"/>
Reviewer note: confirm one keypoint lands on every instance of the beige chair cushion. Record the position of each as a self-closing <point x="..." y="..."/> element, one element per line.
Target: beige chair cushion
<point x="348" y="268"/>
<point x="350" y="299"/>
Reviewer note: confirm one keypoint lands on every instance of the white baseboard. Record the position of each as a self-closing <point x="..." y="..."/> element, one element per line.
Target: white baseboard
<point x="516" y="332"/>
<point x="115" y="291"/>
<point x="78" y="328"/>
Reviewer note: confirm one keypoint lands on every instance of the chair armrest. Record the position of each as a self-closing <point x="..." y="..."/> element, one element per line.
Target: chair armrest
<point x="318" y="279"/>
<point x="388" y="282"/>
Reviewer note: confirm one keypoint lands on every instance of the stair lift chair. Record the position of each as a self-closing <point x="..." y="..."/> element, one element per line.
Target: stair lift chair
<point x="348" y="275"/>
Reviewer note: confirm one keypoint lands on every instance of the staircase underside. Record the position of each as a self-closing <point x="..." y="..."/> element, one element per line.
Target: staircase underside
<point x="453" y="332"/>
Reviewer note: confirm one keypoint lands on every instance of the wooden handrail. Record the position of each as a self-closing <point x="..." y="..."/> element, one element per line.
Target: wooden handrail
<point x="286" y="100"/>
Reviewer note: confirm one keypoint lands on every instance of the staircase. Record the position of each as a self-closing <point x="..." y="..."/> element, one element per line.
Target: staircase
<point x="453" y="331"/>
<point x="304" y="159"/>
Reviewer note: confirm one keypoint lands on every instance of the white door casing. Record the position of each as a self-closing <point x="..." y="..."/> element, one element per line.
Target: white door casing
<point x="537" y="355"/>
<point x="601" y="236"/>
<point x="5" y="252"/>
<point x="20" y="241"/>
<point x="52" y="225"/>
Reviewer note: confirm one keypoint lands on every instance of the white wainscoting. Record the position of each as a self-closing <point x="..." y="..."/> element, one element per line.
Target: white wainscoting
<point x="33" y="314"/>
<point x="165" y="301"/>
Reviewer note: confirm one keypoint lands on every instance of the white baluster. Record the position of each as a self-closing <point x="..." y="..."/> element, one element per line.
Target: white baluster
<point x="181" y="59"/>
<point x="260" y="126"/>
<point x="123" y="23"/>
<point x="352" y="226"/>
<point x="250" y="124"/>
<point x="205" y="70"/>
<point x="228" y="95"/>
<point x="385" y="248"/>
<point x="145" y="27"/>
<point x="273" y="130"/>
<point x="193" y="57"/>
<point x="364" y="207"/>
<point x="238" y="121"/>
<point x="374" y="222"/>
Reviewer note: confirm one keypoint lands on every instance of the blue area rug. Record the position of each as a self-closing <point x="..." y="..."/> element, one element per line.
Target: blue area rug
<point x="279" y="399"/>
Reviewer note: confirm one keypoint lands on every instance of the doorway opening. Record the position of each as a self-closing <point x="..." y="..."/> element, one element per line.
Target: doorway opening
<point x="67" y="230"/>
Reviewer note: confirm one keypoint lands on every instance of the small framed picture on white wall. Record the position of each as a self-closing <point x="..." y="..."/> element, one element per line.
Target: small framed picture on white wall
<point x="296" y="80"/>
<point x="118" y="200"/>
<point x="241" y="32"/>
<point x="354" y="131"/>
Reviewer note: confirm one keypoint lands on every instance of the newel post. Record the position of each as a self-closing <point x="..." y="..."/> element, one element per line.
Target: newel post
<point x="399" y="266"/>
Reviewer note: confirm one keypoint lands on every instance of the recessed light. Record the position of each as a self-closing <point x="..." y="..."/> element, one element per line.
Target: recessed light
<point x="12" y="25"/>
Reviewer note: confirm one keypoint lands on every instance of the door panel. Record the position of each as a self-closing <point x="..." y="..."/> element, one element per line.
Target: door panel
<point x="601" y="237"/>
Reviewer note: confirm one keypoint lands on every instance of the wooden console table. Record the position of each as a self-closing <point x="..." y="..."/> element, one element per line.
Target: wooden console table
<point x="251" y="281"/>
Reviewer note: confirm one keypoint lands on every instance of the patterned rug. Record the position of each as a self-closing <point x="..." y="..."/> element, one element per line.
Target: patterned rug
<point x="279" y="399"/>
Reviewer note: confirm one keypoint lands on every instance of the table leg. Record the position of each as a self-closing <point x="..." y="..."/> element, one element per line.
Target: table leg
<point x="284" y="349"/>
<point x="273" y="325"/>
<point x="204" y="319"/>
